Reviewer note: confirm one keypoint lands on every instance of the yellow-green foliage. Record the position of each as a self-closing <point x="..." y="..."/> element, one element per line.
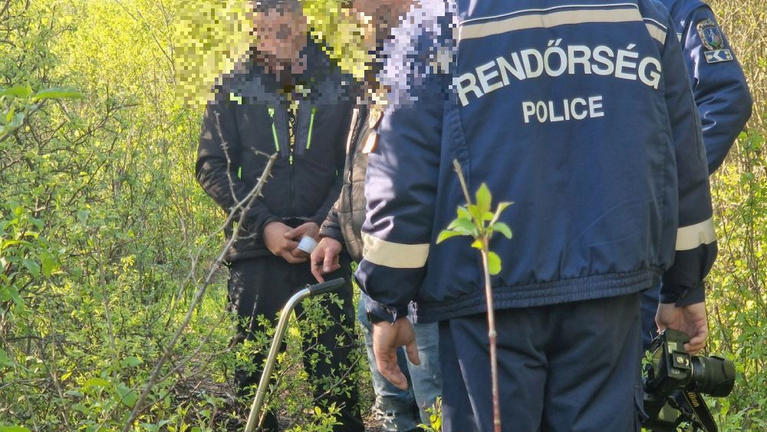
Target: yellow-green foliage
<point x="100" y="216"/>
<point x="738" y="283"/>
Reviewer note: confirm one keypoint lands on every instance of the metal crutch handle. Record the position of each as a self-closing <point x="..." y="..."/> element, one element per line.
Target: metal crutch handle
<point x="279" y="332"/>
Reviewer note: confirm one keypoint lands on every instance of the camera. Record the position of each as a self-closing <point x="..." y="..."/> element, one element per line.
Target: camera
<point x="674" y="382"/>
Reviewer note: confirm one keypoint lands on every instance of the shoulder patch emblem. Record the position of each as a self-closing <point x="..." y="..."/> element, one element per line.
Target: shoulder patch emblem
<point x="714" y="48"/>
<point x="710" y="35"/>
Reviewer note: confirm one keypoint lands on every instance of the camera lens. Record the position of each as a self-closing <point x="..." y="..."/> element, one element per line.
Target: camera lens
<point x="713" y="376"/>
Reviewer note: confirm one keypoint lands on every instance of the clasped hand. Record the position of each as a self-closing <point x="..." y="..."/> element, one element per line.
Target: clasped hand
<point x="282" y="240"/>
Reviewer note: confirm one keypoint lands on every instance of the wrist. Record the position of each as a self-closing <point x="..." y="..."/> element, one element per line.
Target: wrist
<point x="378" y="312"/>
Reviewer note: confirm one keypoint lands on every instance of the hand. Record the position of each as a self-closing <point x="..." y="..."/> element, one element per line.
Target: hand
<point x="387" y="338"/>
<point x="325" y="258"/>
<point x="280" y="245"/>
<point x="688" y="319"/>
<point x="309" y="229"/>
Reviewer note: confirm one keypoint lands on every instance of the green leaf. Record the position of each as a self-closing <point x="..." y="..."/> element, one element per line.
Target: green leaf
<point x="493" y="263"/>
<point x="484" y="198"/>
<point x="58" y="93"/>
<point x="463" y="226"/>
<point x="5" y="360"/>
<point x="463" y="213"/>
<point x="476" y="213"/>
<point x="127" y="395"/>
<point x="17" y="120"/>
<point x="19" y="91"/>
<point x="503" y="229"/>
<point x="49" y="263"/>
<point x="13" y="429"/>
<point x="32" y="267"/>
<point x="10" y="293"/>
<point x="131" y="362"/>
<point x="95" y="382"/>
<point x="476" y="244"/>
<point x="446" y="234"/>
<point x="501" y="207"/>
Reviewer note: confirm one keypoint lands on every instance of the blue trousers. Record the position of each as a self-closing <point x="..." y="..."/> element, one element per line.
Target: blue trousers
<point x="562" y="368"/>
<point x="405" y="410"/>
<point x="650" y="299"/>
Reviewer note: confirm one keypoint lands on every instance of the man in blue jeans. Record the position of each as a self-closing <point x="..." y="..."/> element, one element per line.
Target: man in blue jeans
<point x="403" y="410"/>
<point x="721" y="95"/>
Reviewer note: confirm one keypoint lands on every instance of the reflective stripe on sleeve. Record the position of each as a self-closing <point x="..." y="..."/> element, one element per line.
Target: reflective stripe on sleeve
<point x="657" y="30"/>
<point x="550" y="17"/>
<point x="692" y="236"/>
<point x="394" y="255"/>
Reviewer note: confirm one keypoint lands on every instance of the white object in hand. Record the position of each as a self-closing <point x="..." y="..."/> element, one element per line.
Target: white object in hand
<point x="307" y="244"/>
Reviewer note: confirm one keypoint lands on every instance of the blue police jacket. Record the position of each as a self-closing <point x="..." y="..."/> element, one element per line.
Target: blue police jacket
<point x="578" y="112"/>
<point x="719" y="87"/>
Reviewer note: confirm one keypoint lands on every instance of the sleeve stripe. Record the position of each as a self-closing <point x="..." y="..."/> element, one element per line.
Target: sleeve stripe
<point x="394" y="255"/>
<point x="548" y="18"/>
<point x="656" y="32"/>
<point x="692" y="236"/>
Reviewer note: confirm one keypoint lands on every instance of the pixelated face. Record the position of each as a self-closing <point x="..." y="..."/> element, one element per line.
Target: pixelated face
<point x="281" y="33"/>
<point x="385" y="13"/>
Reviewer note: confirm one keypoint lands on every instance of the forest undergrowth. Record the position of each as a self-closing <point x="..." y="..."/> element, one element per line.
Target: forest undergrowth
<point x="106" y="238"/>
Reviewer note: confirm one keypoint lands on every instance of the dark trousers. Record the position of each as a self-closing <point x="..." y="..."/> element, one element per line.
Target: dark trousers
<point x="262" y="286"/>
<point x="568" y="367"/>
<point x="650" y="299"/>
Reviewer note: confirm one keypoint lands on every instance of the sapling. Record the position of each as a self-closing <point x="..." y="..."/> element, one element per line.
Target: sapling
<point x="478" y="221"/>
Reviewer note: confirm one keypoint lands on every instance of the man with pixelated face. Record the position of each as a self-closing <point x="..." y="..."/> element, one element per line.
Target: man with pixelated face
<point x="400" y="410"/>
<point x="281" y="36"/>
<point x="286" y="98"/>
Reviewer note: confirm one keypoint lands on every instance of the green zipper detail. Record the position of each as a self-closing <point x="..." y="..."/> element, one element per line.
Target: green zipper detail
<point x="239" y="172"/>
<point x="311" y="127"/>
<point x="274" y="131"/>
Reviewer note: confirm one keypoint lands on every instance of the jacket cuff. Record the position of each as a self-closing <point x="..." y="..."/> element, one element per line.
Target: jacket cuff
<point x="379" y="312"/>
<point x="259" y="222"/>
<point x="319" y="219"/>
<point x="332" y="231"/>
<point x="682" y="296"/>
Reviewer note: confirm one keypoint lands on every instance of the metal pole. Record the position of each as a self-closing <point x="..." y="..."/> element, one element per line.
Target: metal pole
<point x="279" y="332"/>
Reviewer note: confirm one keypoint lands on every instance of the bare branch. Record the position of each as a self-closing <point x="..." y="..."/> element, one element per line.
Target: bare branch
<point x="245" y="205"/>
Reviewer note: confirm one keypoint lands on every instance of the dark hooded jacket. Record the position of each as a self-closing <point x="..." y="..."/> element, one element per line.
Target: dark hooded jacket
<point x="248" y="120"/>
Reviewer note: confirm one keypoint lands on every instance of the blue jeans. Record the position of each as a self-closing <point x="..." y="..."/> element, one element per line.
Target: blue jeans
<point x="404" y="410"/>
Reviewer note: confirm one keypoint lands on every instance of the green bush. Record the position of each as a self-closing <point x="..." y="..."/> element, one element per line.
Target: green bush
<point x="105" y="236"/>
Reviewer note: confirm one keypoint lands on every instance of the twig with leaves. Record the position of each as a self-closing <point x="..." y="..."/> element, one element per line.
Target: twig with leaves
<point x="241" y="208"/>
<point x="478" y="221"/>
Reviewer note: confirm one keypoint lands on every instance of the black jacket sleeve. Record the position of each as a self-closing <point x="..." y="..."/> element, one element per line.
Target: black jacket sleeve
<point x="217" y="161"/>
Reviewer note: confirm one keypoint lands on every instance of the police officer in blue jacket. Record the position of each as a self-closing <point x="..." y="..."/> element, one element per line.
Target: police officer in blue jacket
<point x="581" y="113"/>
<point x="721" y="94"/>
